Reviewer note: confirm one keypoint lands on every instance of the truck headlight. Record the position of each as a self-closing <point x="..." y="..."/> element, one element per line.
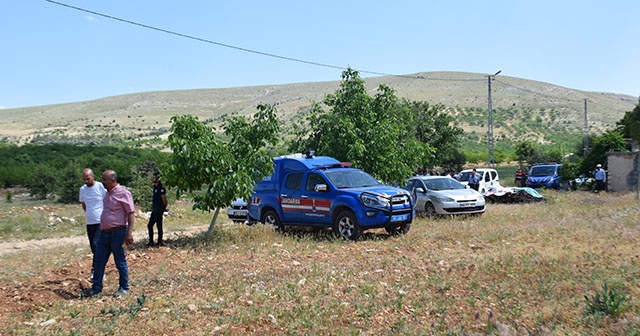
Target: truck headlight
<point x="374" y="201"/>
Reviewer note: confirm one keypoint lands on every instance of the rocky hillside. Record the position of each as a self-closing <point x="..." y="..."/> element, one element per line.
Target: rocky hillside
<point x="524" y="109"/>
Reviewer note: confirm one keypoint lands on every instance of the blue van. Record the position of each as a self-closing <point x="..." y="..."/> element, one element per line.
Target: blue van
<point x="544" y="175"/>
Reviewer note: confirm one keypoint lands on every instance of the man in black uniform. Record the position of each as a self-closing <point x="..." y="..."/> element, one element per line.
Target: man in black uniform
<point x="158" y="208"/>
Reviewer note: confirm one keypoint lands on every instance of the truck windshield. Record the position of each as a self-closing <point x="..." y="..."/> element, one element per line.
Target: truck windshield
<point x="542" y="171"/>
<point x="351" y="178"/>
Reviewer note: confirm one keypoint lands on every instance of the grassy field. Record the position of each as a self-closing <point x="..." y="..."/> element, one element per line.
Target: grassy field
<point x="527" y="269"/>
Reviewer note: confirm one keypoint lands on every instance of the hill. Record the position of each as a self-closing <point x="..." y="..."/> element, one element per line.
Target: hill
<point x="524" y="109"/>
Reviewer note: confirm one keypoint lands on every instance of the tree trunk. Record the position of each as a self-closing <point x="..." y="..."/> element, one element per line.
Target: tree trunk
<point x="213" y="222"/>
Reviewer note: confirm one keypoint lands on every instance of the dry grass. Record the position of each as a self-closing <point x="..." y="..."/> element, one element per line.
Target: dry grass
<point x="518" y="269"/>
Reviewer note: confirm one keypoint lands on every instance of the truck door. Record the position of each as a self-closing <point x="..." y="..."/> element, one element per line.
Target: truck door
<point x="289" y="198"/>
<point x="315" y="201"/>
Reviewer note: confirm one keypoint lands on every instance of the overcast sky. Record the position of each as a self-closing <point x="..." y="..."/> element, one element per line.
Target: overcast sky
<point x="55" y="54"/>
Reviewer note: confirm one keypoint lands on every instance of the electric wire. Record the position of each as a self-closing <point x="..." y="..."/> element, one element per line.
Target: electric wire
<point x="298" y="60"/>
<point x="555" y="97"/>
<point x="287" y="58"/>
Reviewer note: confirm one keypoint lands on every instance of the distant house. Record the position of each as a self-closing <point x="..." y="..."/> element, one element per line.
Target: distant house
<point x="623" y="171"/>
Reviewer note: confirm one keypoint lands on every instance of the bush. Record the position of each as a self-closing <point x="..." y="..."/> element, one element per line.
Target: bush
<point x="610" y="301"/>
<point x="69" y="183"/>
<point x="42" y="181"/>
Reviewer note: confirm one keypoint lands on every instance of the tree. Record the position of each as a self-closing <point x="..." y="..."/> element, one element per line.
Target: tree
<point x="68" y="185"/>
<point x="141" y="185"/>
<point x="434" y="127"/>
<point x="629" y="125"/>
<point x="42" y="181"/>
<point x="525" y="151"/>
<point x="610" y="141"/>
<point x="371" y="132"/>
<point x="214" y="173"/>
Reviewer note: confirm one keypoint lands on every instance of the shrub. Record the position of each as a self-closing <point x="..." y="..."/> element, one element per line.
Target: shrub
<point x="610" y="301"/>
<point x="42" y="181"/>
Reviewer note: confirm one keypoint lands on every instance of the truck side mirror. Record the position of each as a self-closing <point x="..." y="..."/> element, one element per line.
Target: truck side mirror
<point x="320" y="187"/>
<point x="419" y="190"/>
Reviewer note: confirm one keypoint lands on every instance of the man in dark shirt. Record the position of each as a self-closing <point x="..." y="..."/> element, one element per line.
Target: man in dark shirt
<point x="159" y="206"/>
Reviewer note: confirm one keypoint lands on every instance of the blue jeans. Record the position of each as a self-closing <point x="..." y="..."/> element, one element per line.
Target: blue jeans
<point x="93" y="232"/>
<point x="108" y="243"/>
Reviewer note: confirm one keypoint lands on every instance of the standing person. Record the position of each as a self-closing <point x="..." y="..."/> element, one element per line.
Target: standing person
<point x="519" y="178"/>
<point x="474" y="180"/>
<point x="91" y="195"/>
<point x="601" y="178"/>
<point x="116" y="226"/>
<point x="158" y="207"/>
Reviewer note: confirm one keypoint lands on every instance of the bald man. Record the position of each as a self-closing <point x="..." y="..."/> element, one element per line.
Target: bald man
<point x="116" y="230"/>
<point x="91" y="195"/>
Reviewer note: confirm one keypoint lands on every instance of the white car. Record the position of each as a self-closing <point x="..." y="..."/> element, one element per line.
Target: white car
<point x="443" y="195"/>
<point x="488" y="178"/>
<point x="238" y="211"/>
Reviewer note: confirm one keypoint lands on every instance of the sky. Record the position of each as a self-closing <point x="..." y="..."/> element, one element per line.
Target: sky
<point x="53" y="54"/>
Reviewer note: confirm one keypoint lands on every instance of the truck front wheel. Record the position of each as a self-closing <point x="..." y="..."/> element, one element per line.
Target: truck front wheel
<point x="346" y="225"/>
<point x="396" y="230"/>
<point x="271" y="217"/>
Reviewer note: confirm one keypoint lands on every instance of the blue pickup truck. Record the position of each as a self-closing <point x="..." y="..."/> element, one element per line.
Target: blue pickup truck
<point x="321" y="191"/>
<point x="544" y="175"/>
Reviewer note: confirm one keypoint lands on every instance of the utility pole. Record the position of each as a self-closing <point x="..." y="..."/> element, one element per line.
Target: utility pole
<point x="490" y="158"/>
<point x="586" y="131"/>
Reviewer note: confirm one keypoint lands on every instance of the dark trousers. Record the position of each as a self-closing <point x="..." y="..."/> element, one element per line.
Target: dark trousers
<point x="93" y="232"/>
<point x="599" y="186"/>
<point x="474" y="186"/>
<point x="156" y="218"/>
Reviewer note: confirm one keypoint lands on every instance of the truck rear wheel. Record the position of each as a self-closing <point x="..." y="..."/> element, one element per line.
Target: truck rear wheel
<point x="346" y="225"/>
<point x="271" y="217"/>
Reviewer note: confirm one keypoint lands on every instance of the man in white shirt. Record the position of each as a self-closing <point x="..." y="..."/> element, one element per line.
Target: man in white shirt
<point x="91" y="195"/>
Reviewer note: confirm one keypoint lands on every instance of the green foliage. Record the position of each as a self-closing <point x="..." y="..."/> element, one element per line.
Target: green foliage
<point x="608" y="142"/>
<point x="42" y="182"/>
<point x="9" y="196"/>
<point x="610" y="301"/>
<point x="569" y="171"/>
<point x="24" y="165"/>
<point x="132" y="309"/>
<point x="435" y="128"/>
<point x="382" y="135"/>
<point x="225" y="170"/>
<point x="141" y="186"/>
<point x="67" y="186"/>
<point x="629" y="125"/>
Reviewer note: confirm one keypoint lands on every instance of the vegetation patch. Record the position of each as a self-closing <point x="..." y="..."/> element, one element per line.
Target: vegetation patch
<point x="518" y="269"/>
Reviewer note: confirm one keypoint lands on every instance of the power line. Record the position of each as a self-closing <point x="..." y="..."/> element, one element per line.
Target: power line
<point x="199" y="39"/>
<point x="535" y="92"/>
<point x="555" y="97"/>
<point x="292" y="59"/>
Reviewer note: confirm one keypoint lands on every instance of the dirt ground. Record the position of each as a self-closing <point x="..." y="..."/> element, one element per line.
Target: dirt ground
<point x="64" y="283"/>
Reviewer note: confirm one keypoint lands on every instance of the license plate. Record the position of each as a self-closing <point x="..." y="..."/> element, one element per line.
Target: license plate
<point x="399" y="218"/>
<point x="467" y="204"/>
<point x="238" y="213"/>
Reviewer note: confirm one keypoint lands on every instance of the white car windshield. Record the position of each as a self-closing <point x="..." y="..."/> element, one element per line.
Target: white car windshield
<point x="351" y="178"/>
<point x="445" y="183"/>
